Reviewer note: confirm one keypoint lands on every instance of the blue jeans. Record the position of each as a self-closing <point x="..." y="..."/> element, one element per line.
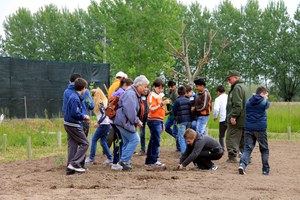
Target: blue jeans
<point x="173" y="132"/>
<point x="155" y="127"/>
<point x="130" y="142"/>
<point x="182" y="127"/>
<point x="142" y="136"/>
<point x="201" y="124"/>
<point x="250" y="138"/>
<point x="194" y="125"/>
<point x="101" y="133"/>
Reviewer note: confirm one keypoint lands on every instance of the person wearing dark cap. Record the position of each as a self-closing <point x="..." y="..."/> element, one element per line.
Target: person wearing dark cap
<point x="173" y="94"/>
<point x="235" y="115"/>
<point x="203" y="105"/>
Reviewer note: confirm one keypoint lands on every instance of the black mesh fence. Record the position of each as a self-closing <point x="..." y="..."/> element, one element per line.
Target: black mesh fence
<point x="34" y="89"/>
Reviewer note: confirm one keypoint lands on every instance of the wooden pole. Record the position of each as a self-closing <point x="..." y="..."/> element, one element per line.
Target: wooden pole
<point x="4" y="143"/>
<point x="59" y="139"/>
<point x="25" y="105"/>
<point x="29" y="153"/>
<point x="289" y="132"/>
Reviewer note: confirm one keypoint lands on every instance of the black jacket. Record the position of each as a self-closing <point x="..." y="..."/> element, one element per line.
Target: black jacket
<point x="182" y="109"/>
<point x="201" y="143"/>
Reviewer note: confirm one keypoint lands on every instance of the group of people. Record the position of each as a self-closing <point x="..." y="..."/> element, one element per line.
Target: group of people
<point x="188" y="113"/>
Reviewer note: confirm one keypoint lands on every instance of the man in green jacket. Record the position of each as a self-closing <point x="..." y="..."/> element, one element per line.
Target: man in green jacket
<point x="235" y="116"/>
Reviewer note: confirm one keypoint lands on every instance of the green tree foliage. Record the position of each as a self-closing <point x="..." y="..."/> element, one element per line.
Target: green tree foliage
<point x="20" y="35"/>
<point x="136" y="31"/>
<point x="51" y="34"/>
<point x="164" y="37"/>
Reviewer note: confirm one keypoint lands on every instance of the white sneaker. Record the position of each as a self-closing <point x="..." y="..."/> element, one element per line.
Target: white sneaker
<point x="108" y="162"/>
<point x="89" y="161"/>
<point x="157" y="164"/>
<point x="116" y="167"/>
<point x="77" y="169"/>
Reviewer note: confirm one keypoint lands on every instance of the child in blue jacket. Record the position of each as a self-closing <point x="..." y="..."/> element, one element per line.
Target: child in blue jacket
<point x="73" y="118"/>
<point x="255" y="130"/>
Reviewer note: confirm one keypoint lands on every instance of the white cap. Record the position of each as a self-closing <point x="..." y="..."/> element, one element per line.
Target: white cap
<point x="121" y="74"/>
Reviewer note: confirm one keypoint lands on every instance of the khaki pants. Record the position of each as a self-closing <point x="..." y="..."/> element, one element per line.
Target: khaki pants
<point x="234" y="141"/>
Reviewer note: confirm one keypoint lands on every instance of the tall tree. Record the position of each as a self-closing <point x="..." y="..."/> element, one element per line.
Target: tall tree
<point x="229" y="22"/>
<point x="136" y="33"/>
<point x="278" y="54"/>
<point x="19" y="29"/>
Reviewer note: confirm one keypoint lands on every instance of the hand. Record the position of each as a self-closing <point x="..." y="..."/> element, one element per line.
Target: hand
<point x="232" y="121"/>
<point x="168" y="112"/>
<point x="87" y="118"/>
<point x="139" y="124"/>
<point x="96" y="125"/>
<point x="215" y="119"/>
<point x="193" y="109"/>
<point x="166" y="101"/>
<point x="179" y="166"/>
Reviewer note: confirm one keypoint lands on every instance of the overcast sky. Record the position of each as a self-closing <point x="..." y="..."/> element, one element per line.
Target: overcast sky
<point x="10" y="6"/>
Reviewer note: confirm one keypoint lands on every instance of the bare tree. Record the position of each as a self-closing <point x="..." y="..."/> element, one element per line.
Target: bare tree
<point x="183" y="54"/>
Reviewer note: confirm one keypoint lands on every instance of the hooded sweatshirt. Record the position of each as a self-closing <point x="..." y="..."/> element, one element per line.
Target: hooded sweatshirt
<point x="256" y="116"/>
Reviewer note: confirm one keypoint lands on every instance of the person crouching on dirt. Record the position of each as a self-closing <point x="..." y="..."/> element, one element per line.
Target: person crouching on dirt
<point x="128" y="118"/>
<point x="201" y="150"/>
<point x="73" y="118"/>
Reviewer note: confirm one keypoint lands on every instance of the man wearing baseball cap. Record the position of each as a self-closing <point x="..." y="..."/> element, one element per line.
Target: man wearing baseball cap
<point x="235" y="116"/>
<point x="116" y="83"/>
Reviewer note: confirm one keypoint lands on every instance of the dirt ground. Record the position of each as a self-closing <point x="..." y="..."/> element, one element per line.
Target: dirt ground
<point x="43" y="179"/>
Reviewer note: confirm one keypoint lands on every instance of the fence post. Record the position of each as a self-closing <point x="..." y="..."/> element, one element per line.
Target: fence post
<point x="29" y="153"/>
<point x="289" y="132"/>
<point x="206" y="130"/>
<point x="4" y="143"/>
<point x="25" y="105"/>
<point x="59" y="139"/>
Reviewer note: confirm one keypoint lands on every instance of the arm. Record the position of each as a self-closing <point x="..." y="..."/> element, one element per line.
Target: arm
<point x="89" y="99"/>
<point x="129" y="104"/>
<point x="201" y="101"/>
<point x="75" y="110"/>
<point x="237" y="102"/>
<point x="199" y="144"/>
<point x="175" y="108"/>
<point x="216" y="108"/>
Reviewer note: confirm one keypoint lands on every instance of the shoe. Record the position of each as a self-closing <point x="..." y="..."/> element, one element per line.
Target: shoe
<point x="266" y="173"/>
<point x="89" y="161"/>
<point x="76" y="168"/>
<point x="108" y="162"/>
<point x="214" y="167"/>
<point x="126" y="166"/>
<point x="157" y="164"/>
<point x="242" y="170"/>
<point x="116" y="167"/>
<point x="70" y="172"/>
<point x="231" y="160"/>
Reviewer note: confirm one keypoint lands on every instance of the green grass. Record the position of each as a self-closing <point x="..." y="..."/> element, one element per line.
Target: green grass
<point x="44" y="138"/>
<point x="280" y="116"/>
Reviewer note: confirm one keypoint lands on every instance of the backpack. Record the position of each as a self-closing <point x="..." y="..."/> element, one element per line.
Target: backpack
<point x="112" y="107"/>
